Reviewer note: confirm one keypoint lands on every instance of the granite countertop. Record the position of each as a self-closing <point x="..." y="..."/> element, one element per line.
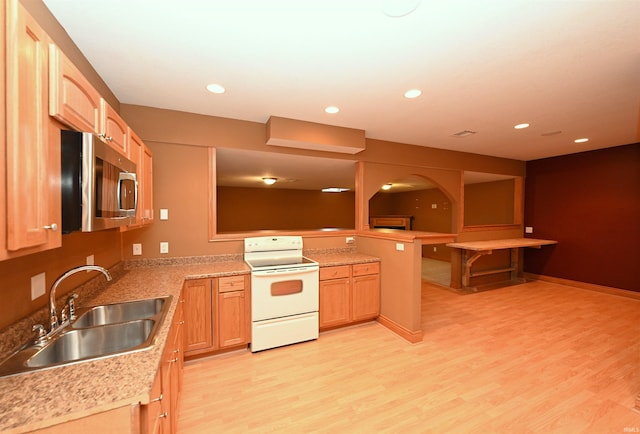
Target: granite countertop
<point x="51" y="396"/>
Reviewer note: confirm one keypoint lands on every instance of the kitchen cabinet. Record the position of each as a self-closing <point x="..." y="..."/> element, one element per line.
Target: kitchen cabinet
<point x="76" y="103"/>
<point x="32" y="154"/>
<point x="198" y="316"/>
<point x="217" y="314"/>
<point x="335" y="296"/>
<point x="142" y="157"/>
<point x="233" y="311"/>
<point x="349" y="294"/>
<point x="72" y="99"/>
<point x="365" y="287"/>
<point x="113" y="129"/>
<point x="147" y="186"/>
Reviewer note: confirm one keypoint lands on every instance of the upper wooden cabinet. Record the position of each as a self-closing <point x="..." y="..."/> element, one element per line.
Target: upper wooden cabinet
<point x="72" y="99"/>
<point x="32" y="152"/>
<point x="142" y="157"/>
<point x="76" y="103"/>
<point x="113" y="129"/>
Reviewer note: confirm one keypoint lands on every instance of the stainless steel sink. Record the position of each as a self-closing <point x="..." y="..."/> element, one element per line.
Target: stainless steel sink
<point x="119" y="312"/>
<point x="100" y="331"/>
<point x="93" y="342"/>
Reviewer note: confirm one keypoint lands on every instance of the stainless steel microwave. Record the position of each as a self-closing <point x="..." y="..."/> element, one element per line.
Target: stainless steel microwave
<point x="99" y="185"/>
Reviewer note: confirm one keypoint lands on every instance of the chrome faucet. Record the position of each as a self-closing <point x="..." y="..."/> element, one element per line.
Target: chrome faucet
<point x="54" y="323"/>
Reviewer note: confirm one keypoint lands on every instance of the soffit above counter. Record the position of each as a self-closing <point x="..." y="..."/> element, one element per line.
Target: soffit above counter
<point x="293" y="133"/>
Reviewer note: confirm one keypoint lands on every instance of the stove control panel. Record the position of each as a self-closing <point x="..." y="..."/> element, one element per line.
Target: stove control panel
<point x="272" y="244"/>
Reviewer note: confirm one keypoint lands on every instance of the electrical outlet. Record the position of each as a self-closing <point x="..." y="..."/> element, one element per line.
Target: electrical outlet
<point x="400" y="247"/>
<point x="349" y="240"/>
<point x="435" y="249"/>
<point x="164" y="247"/>
<point x="38" y="285"/>
<point x="434" y="206"/>
<point x="528" y="230"/>
<point x="137" y="249"/>
<point x="164" y="214"/>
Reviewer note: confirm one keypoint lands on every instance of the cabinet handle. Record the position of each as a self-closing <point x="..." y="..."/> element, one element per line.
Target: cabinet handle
<point x="52" y="226"/>
<point x="159" y="398"/>
<point x="165" y="414"/>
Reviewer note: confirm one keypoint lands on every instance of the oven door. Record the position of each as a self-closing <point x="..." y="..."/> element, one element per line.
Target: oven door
<point x="284" y="292"/>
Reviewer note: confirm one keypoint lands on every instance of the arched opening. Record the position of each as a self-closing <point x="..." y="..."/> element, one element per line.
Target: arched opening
<point x="416" y="202"/>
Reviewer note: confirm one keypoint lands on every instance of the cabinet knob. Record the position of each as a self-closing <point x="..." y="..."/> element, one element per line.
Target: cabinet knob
<point x="52" y="226"/>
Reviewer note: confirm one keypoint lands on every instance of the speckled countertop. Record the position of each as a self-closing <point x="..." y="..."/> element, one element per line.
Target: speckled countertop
<point x="42" y="398"/>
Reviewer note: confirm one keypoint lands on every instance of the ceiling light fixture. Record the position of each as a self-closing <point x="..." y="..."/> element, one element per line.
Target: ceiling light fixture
<point x="583" y="140"/>
<point x="332" y="109"/>
<point x="334" y="190"/>
<point x="386" y="186"/>
<point x="215" y="88"/>
<point x="521" y="126"/>
<point x="269" y="181"/>
<point x="412" y="93"/>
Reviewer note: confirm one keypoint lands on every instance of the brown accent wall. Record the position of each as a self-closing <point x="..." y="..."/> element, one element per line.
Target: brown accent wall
<point x="590" y="203"/>
<point x="15" y="274"/>
<point x="249" y="209"/>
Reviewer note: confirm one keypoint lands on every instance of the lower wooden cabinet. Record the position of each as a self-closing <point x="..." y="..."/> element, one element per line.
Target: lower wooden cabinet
<point x="349" y="293"/>
<point x="160" y="415"/>
<point x="216" y="314"/>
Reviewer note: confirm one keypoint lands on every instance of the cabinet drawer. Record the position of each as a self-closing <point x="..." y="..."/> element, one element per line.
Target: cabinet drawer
<point x="370" y="268"/>
<point x="231" y="283"/>
<point x="337" y="272"/>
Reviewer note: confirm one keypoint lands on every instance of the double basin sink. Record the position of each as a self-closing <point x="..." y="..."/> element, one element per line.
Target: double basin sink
<point x="99" y="331"/>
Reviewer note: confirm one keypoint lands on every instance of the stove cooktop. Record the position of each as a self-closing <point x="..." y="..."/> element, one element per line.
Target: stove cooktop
<point x="267" y="263"/>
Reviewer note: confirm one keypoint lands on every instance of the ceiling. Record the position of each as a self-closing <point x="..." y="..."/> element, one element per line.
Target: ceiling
<point x="569" y="68"/>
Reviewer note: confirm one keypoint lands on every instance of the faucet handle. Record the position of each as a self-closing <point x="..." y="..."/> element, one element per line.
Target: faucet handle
<point x="72" y="306"/>
<point x="41" y="333"/>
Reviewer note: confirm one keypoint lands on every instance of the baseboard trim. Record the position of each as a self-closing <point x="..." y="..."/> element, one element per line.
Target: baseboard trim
<point x="583" y="285"/>
<point x="412" y="336"/>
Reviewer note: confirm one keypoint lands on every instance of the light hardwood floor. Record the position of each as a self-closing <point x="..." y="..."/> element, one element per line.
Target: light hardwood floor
<point x="531" y="358"/>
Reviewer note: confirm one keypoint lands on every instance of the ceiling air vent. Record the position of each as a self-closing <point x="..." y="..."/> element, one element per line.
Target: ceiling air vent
<point x="464" y="133"/>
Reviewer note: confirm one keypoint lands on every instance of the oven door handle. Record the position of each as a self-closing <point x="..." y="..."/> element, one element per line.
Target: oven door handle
<point x="284" y="271"/>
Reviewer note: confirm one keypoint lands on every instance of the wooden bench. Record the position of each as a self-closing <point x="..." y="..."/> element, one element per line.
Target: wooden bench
<point x="471" y="251"/>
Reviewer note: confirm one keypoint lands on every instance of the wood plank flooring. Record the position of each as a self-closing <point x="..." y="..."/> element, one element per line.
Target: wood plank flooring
<point x="531" y="358"/>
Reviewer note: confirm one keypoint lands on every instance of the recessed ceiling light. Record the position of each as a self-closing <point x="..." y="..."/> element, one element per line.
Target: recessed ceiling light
<point x="399" y="8"/>
<point x="215" y="88"/>
<point x="386" y="187"/>
<point x="269" y="181"/>
<point x="412" y="93"/>
<point x="332" y="109"/>
<point x="581" y="140"/>
<point x="521" y="126"/>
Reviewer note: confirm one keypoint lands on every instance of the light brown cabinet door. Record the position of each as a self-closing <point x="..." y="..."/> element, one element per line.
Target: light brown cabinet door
<point x="366" y="297"/>
<point x="115" y="131"/>
<point x="232" y="320"/>
<point x="198" y="316"/>
<point x="147" y="185"/>
<point x="33" y="214"/>
<point x="72" y="99"/>
<point x="335" y="302"/>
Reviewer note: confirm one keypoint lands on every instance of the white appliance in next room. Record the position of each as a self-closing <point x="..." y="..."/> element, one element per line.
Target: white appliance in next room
<point x="284" y="292"/>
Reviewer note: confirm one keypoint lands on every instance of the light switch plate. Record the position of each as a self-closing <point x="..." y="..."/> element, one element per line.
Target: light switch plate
<point x="164" y="247"/>
<point x="164" y="214"/>
<point x="38" y="285"/>
<point x="528" y="230"/>
<point x="400" y="247"/>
